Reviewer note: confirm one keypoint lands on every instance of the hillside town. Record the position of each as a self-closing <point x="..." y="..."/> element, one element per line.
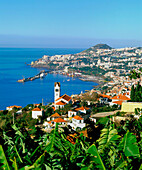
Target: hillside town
<point x="77" y="111"/>
<point x="111" y="96"/>
<point x="101" y="64"/>
<point x="98" y="63"/>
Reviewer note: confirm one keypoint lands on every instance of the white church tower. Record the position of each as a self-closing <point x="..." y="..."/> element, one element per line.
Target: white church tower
<point x="56" y="90"/>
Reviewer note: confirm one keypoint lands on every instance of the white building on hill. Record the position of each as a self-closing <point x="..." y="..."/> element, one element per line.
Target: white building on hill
<point x="9" y="108"/>
<point x="60" y="102"/>
<point x="37" y="112"/>
<point x="77" y="122"/>
<point x="53" y="116"/>
<point x="51" y="124"/>
<point x="82" y="109"/>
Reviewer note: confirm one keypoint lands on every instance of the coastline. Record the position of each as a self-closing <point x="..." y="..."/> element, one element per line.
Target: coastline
<point x="31" y="92"/>
<point x="87" y="78"/>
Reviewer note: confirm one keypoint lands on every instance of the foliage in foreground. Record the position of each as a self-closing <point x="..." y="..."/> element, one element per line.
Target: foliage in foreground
<point x="136" y="93"/>
<point x="54" y="151"/>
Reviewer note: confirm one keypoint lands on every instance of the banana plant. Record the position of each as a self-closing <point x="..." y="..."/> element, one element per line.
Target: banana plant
<point x="129" y="145"/>
<point x="96" y="159"/>
<point x="115" y="152"/>
<point x="54" y="151"/>
<point x="3" y="160"/>
<point x="108" y="138"/>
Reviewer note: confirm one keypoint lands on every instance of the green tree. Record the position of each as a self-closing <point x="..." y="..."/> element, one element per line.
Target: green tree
<point x="138" y="87"/>
<point x="138" y="93"/>
<point x="141" y="94"/>
<point x="134" y="74"/>
<point x="132" y="95"/>
<point x="48" y="112"/>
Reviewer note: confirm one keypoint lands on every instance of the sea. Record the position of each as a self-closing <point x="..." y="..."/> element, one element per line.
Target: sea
<point x="13" y="66"/>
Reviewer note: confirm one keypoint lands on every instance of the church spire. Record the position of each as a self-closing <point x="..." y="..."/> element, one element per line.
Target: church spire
<point x="56" y="91"/>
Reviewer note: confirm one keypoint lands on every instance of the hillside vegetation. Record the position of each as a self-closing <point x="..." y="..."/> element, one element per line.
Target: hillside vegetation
<point x="98" y="46"/>
<point x="117" y="147"/>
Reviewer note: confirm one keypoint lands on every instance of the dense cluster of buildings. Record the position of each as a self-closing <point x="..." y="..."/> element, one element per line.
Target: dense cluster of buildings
<point x="76" y="117"/>
<point x="111" y="63"/>
<point x="118" y="61"/>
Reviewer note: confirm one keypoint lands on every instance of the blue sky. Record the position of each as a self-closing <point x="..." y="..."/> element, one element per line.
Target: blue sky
<point x="70" y="23"/>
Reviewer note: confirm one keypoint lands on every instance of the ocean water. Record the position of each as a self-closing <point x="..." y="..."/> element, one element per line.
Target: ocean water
<point x="13" y="67"/>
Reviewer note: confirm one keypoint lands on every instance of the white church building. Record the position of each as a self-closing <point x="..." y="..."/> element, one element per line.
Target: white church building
<point x="60" y="101"/>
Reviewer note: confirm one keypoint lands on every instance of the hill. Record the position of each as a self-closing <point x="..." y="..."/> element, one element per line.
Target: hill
<point x="98" y="46"/>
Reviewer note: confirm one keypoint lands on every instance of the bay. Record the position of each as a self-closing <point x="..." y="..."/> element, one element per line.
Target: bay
<point x="13" y="67"/>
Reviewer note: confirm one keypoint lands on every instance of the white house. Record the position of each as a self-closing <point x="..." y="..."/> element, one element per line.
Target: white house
<point x="77" y="122"/>
<point x="53" y="116"/>
<point x="37" y="112"/>
<point x="9" y="108"/>
<point x="82" y="109"/>
<point x="52" y="123"/>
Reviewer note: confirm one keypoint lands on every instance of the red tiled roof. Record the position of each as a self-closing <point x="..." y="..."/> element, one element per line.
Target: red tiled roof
<point x="78" y="117"/>
<point x="58" y="120"/>
<point x="65" y="97"/>
<point x="104" y="96"/>
<point x="55" y="115"/>
<point x="118" y="102"/>
<point x="49" y="122"/>
<point x="36" y="109"/>
<point x="82" y="108"/>
<point x="14" y="106"/>
<point x="121" y="97"/>
<point x="61" y="103"/>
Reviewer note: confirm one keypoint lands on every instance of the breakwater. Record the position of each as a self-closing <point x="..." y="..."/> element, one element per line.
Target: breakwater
<point x="42" y="74"/>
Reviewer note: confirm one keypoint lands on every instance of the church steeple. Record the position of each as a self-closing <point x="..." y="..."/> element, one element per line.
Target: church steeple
<point x="56" y="90"/>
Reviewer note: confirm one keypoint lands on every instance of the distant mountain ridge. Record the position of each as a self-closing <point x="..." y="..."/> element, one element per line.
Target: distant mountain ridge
<point x="98" y="46"/>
